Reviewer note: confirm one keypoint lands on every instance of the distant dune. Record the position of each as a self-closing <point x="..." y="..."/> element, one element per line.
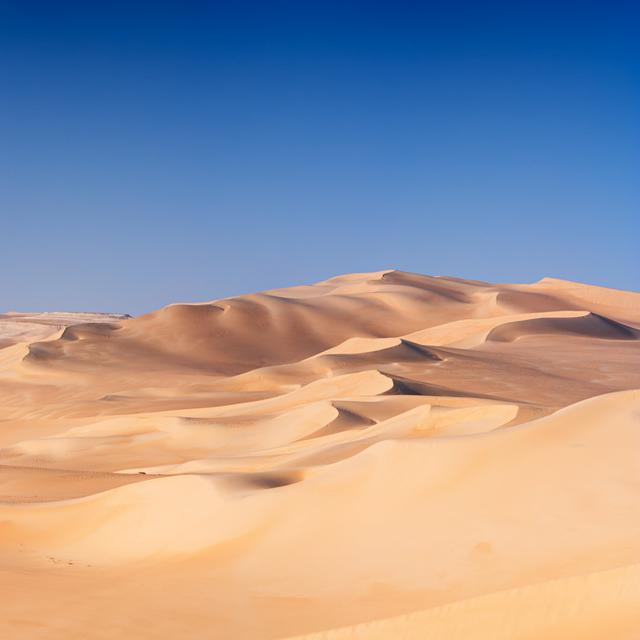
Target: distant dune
<point x="380" y="455"/>
<point x="24" y="327"/>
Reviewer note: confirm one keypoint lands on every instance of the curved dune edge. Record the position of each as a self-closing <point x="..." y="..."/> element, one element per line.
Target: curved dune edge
<point x="598" y="605"/>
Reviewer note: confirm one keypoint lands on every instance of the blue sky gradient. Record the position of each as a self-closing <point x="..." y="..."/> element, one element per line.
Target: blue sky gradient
<point x="160" y="152"/>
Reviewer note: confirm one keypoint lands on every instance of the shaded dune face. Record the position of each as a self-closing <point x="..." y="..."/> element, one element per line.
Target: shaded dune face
<point x="589" y="326"/>
<point x="379" y="455"/>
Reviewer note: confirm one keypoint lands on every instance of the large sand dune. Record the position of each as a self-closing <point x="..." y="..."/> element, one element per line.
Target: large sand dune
<point x="381" y="455"/>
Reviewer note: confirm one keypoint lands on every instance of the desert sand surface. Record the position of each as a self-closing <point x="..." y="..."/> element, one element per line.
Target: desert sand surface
<point x="380" y="455"/>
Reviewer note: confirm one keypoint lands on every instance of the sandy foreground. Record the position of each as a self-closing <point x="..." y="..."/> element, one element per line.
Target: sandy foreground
<point x="381" y="455"/>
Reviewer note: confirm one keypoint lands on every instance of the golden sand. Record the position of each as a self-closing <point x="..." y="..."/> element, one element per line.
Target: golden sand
<point x="381" y="455"/>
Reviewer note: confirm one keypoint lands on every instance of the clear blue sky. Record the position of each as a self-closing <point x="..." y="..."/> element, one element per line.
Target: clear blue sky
<point x="159" y="152"/>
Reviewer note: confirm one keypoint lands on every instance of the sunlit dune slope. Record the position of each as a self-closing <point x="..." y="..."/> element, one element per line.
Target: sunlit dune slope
<point x="380" y="455"/>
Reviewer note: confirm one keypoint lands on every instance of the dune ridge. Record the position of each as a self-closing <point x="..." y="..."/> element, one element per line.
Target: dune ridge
<point x="379" y="455"/>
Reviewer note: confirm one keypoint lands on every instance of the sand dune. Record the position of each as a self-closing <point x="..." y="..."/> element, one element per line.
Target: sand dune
<point x="22" y="327"/>
<point x="381" y="455"/>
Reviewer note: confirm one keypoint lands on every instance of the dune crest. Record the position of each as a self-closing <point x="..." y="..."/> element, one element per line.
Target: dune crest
<point x="378" y="455"/>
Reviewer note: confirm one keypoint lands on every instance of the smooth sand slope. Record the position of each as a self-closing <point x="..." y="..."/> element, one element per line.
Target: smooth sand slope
<point x="381" y="455"/>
